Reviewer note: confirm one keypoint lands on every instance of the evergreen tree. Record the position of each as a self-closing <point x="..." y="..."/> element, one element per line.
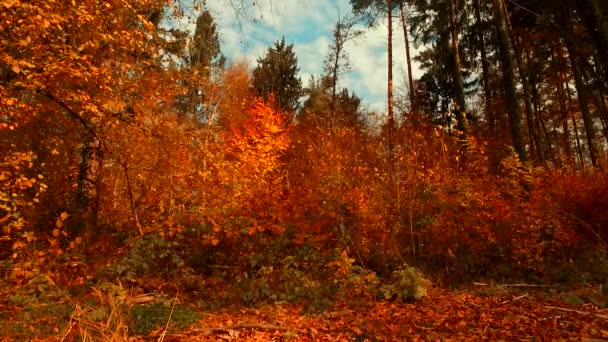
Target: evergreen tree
<point x="277" y="74"/>
<point x="204" y="57"/>
<point x="205" y="50"/>
<point x="316" y="108"/>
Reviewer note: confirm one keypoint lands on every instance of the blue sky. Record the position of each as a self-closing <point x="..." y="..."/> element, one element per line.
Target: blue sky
<point x="308" y="24"/>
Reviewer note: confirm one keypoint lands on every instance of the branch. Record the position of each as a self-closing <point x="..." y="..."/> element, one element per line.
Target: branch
<point x="514" y="299"/>
<point x="584" y="313"/>
<point x="85" y="123"/>
<point x="245" y="326"/>
<point x="515" y="285"/>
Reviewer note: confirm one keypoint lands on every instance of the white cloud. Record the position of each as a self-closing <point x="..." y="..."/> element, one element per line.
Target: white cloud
<point x="308" y="25"/>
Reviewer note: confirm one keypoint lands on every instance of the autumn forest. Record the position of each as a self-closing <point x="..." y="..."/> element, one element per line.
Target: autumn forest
<point x="152" y="188"/>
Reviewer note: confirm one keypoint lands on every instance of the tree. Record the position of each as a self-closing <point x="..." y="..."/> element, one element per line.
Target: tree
<point x="485" y="66"/>
<point x="205" y="59"/>
<point x="595" y="16"/>
<point x="373" y="9"/>
<point x="277" y="74"/>
<point x="461" y="109"/>
<point x="408" y="59"/>
<point x="391" y="118"/>
<point x="70" y="61"/>
<point x="438" y="23"/>
<point x="581" y="86"/>
<point x="347" y="106"/>
<point x="508" y="75"/>
<point x="205" y="52"/>
<point x="337" y="61"/>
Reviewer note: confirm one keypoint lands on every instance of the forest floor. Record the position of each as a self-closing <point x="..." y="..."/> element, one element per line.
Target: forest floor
<point x="41" y="310"/>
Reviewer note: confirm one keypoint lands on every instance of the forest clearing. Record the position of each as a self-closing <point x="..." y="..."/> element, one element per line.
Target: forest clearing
<point x="157" y="185"/>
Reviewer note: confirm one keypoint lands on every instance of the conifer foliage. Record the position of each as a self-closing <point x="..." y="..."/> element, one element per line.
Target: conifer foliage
<point x="277" y="74"/>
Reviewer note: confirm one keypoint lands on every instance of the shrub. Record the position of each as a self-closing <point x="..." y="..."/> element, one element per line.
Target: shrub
<point x="150" y="255"/>
<point x="405" y="285"/>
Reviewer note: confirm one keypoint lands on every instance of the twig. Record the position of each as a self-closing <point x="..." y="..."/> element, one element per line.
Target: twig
<point x="225" y="267"/>
<point x="162" y="336"/>
<point x="584" y="313"/>
<point x="593" y="231"/>
<point x="244" y="326"/>
<point x="514" y="299"/>
<point x="515" y="285"/>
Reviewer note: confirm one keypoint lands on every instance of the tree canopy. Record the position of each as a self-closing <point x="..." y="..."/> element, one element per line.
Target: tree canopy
<point x="276" y="74"/>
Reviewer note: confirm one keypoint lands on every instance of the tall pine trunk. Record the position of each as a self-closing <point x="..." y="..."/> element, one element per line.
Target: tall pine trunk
<point x="390" y="86"/>
<point x="530" y="110"/>
<point x="408" y="59"/>
<point x="596" y="22"/>
<point x="581" y="87"/>
<point x="485" y="69"/>
<point x="506" y="56"/>
<point x="457" y="75"/>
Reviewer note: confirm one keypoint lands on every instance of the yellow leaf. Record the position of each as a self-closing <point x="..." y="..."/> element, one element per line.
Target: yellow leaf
<point x="64" y="216"/>
<point x="56" y="232"/>
<point x="215" y="241"/>
<point x="16" y="69"/>
<point x="78" y="240"/>
<point x="357" y="330"/>
<point x="59" y="223"/>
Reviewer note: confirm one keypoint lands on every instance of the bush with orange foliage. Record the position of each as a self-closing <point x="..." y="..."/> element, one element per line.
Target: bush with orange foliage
<point x="438" y="208"/>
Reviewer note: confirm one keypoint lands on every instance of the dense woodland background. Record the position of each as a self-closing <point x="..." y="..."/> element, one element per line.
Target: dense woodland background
<point x="130" y="150"/>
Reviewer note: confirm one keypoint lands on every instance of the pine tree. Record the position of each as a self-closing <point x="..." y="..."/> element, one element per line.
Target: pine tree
<point x="277" y="74"/>
<point x="205" y="50"/>
<point x="316" y="109"/>
<point x="508" y="75"/>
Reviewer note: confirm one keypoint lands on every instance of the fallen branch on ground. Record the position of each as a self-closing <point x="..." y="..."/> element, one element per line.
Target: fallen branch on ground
<point x="515" y="285"/>
<point x="245" y="326"/>
<point x="585" y="313"/>
<point x="514" y="299"/>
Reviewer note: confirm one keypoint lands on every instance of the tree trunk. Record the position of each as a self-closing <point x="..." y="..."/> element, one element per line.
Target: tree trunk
<point x="84" y="222"/>
<point x="605" y="111"/>
<point x="485" y="69"/>
<point x="579" y="149"/>
<point x="457" y="75"/>
<point x="600" y="105"/>
<point x="565" y="114"/>
<point x="509" y="79"/>
<point x="525" y="82"/>
<point x="581" y="87"/>
<point x="540" y="121"/>
<point x="407" y="56"/>
<point x="567" y="148"/>
<point x="390" y="86"/>
<point x="596" y="22"/>
<point x="334" y="81"/>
